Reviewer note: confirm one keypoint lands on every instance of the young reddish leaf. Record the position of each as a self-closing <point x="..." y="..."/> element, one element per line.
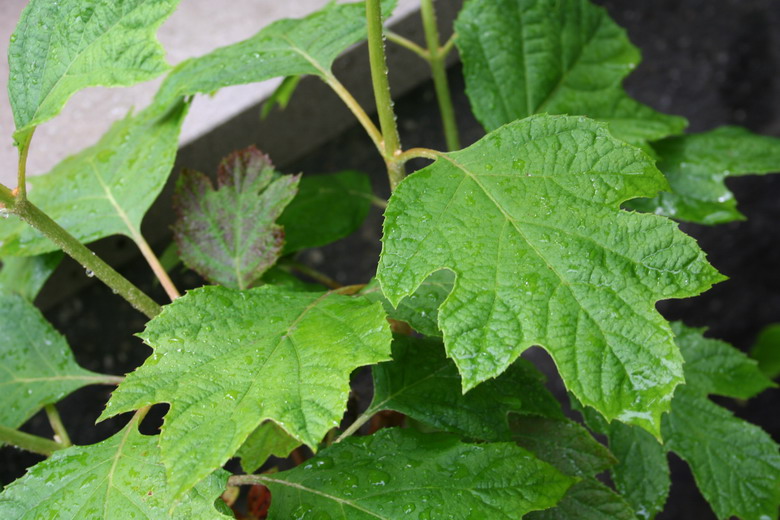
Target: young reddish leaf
<point x="229" y="234"/>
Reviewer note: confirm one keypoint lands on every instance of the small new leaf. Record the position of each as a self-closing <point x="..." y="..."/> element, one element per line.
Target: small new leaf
<point x="61" y="47"/>
<point x="228" y="360"/>
<point x="229" y="235"/>
<point x="529" y="220"/>
<point x="269" y="439"/>
<point x="36" y="365"/>
<point x="402" y="473"/>
<point x="121" y="478"/>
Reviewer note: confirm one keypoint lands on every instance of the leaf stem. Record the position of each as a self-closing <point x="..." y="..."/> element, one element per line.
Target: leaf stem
<point x="157" y="268"/>
<point x="384" y="102"/>
<point x="60" y="433"/>
<point x="355" y="426"/>
<point x="314" y="274"/>
<point x="29" y="442"/>
<point x="417" y="153"/>
<point x="407" y="44"/>
<point x="31" y="214"/>
<point x="246" y="480"/>
<point x="352" y="104"/>
<point x="21" y="180"/>
<point x="436" y="59"/>
<point x="447" y="47"/>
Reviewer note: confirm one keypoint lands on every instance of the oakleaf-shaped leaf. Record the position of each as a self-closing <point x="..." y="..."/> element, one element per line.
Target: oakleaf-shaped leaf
<point x="62" y="47"/>
<point x="36" y="365"/>
<point x="525" y="57"/>
<point x="422" y="383"/>
<point x="696" y="167"/>
<point x="26" y="275"/>
<point x="405" y="474"/>
<point x="227" y="360"/>
<point x="288" y="47"/>
<point x="269" y="439"/>
<point x="229" y="235"/>
<point x="326" y="208"/>
<point x="766" y="351"/>
<point x="121" y="478"/>
<point x="528" y="219"/>
<point x="105" y="189"/>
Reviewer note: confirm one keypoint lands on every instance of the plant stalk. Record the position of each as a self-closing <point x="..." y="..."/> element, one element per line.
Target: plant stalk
<point x="61" y="434"/>
<point x="354" y="107"/>
<point x="157" y="268"/>
<point x="407" y="44"/>
<point x="436" y="59"/>
<point x="28" y="442"/>
<point x="21" y="179"/>
<point x="384" y="101"/>
<point x="355" y="426"/>
<point x="30" y="213"/>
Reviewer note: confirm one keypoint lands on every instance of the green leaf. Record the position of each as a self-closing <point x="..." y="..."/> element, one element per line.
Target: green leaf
<point x="422" y="383"/>
<point x="229" y="235"/>
<point x="552" y="56"/>
<point x="528" y="219"/>
<point x="36" y="365"/>
<point x="326" y="208"/>
<point x="421" y="309"/>
<point x="281" y="96"/>
<point x="736" y="464"/>
<point x="227" y="360"/>
<point x="105" y="189"/>
<point x="766" y="351"/>
<point x="120" y="478"/>
<point x="696" y="167"/>
<point x="62" y="47"/>
<point x="289" y="47"/>
<point x="402" y="473"/>
<point x="26" y="275"/>
<point x="562" y="443"/>
<point x="269" y="439"/>
<point x="587" y="500"/>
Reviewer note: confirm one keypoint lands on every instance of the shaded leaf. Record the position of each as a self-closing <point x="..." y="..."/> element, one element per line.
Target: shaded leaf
<point x="105" y="189"/>
<point x="61" y="47"/>
<point x="229" y="234"/>
<point x="528" y="218"/>
<point x="422" y="383"/>
<point x="36" y="365"/>
<point x="120" y="478"/>
<point x="528" y="57"/>
<point x="227" y="360"/>
<point x="401" y="473"/>
<point x="326" y="208"/>
<point x="268" y="439"/>
<point x="281" y="96"/>
<point x="696" y="167"/>
<point x="26" y="275"/>
<point x="766" y="351"/>
<point x="587" y="500"/>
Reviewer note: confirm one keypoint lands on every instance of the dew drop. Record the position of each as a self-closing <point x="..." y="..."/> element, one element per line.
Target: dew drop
<point x="89" y="273"/>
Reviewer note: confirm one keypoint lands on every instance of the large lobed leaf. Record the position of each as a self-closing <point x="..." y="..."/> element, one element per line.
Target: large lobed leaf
<point x="229" y="235"/>
<point x="121" y="478"/>
<point x="227" y="360"/>
<point x="525" y="57"/>
<point x="105" y="189"/>
<point x="26" y="275"/>
<point x="405" y="474"/>
<point x="697" y="166"/>
<point x="528" y="219"/>
<point x="36" y="365"/>
<point x="60" y="47"/>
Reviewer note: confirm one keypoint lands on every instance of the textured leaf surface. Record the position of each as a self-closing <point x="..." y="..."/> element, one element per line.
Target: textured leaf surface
<point x="696" y="167"/>
<point x="405" y="474"/>
<point x="121" y="478"/>
<point x="423" y="384"/>
<point x="227" y="360"/>
<point x="288" y="47"/>
<point x="105" y="189"/>
<point x="36" y="365"/>
<point x="525" y="57"/>
<point x="587" y="500"/>
<point x="229" y="234"/>
<point x="26" y="275"/>
<point x="528" y="218"/>
<point x="62" y="47"/>
<point x="766" y="351"/>
<point x="269" y="439"/>
<point x="736" y="464"/>
<point x="421" y="309"/>
<point x="326" y="208"/>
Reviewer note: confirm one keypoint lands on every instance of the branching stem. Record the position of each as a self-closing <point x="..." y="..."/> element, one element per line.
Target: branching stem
<point x="61" y="434"/>
<point x="352" y="104"/>
<point x="355" y="426"/>
<point x="407" y="44"/>
<point x="29" y="442"/>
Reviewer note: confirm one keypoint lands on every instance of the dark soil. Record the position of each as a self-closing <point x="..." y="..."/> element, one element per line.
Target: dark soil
<point x="713" y="62"/>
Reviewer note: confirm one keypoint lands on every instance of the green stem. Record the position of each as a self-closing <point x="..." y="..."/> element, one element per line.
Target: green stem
<point x="246" y="480"/>
<point x="408" y="44"/>
<point x="157" y="268"/>
<point x="447" y="47"/>
<point x="384" y="102"/>
<point x="417" y="153"/>
<point x="56" y="424"/>
<point x="312" y="273"/>
<point x="355" y="426"/>
<point x="437" y="61"/>
<point x="28" y="442"/>
<point x="21" y="181"/>
<point x="30" y="213"/>
<point x="352" y="104"/>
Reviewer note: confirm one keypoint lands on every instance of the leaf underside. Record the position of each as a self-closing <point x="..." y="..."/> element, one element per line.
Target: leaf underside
<point x="528" y="219"/>
<point x="269" y="439"/>
<point x="26" y="275"/>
